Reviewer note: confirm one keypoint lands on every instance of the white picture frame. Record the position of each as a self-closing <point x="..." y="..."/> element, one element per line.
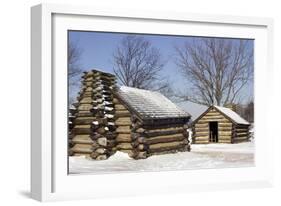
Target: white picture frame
<point x="49" y="178"/>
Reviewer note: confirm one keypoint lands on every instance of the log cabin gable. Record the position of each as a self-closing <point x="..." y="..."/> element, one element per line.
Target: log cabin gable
<point x="213" y="109"/>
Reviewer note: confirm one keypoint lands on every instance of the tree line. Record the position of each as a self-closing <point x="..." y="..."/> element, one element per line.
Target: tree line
<point x="217" y="69"/>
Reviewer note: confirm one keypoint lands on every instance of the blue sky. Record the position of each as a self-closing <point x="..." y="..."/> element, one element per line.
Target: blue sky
<point x="98" y="47"/>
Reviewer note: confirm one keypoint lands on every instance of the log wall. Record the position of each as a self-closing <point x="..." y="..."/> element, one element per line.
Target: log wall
<point x="149" y="140"/>
<point x="92" y="128"/>
<point x="241" y="133"/>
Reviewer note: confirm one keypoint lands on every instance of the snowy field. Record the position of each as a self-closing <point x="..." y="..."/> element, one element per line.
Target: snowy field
<point x="201" y="157"/>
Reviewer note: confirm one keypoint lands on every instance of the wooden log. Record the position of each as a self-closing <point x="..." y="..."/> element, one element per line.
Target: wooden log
<point x="100" y="150"/>
<point x="224" y="141"/>
<point x="225" y="137"/>
<point x="82" y="139"/>
<point x="150" y="133"/>
<point x="207" y="121"/>
<point x="124" y="137"/>
<point x="102" y="141"/>
<point x="213" y="118"/>
<point x="121" y="123"/>
<point x="120" y="107"/>
<point x="123" y="119"/>
<point x="203" y="138"/>
<point x="200" y="136"/>
<point x="225" y="129"/>
<point x="225" y="133"/>
<point x="240" y="126"/>
<point x="242" y="130"/>
<point x="84" y="120"/>
<point x="116" y="100"/>
<point x="166" y="146"/>
<point x="86" y="100"/>
<point x="124" y="146"/>
<point x="201" y="133"/>
<point x="240" y="140"/>
<point x="85" y="107"/>
<point x="82" y="154"/>
<point x="123" y="129"/>
<point x="241" y="137"/>
<point x="122" y="113"/>
<point x="201" y="142"/>
<point x="182" y="148"/>
<point x="82" y="129"/>
<point x="201" y="130"/>
<point x="82" y="148"/>
<point x="162" y="139"/>
<point x="211" y="114"/>
<point x="240" y="134"/>
<point x="223" y="124"/>
<point x="201" y="124"/>
<point x="84" y="114"/>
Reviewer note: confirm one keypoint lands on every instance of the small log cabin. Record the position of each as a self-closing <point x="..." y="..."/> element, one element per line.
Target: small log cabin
<point x="219" y="125"/>
<point x="148" y="123"/>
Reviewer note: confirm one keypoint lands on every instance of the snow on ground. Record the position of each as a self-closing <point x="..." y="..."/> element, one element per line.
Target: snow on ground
<point x="201" y="157"/>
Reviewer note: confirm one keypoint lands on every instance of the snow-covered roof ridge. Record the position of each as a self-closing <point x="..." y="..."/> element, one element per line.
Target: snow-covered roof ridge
<point x="232" y="115"/>
<point x="150" y="104"/>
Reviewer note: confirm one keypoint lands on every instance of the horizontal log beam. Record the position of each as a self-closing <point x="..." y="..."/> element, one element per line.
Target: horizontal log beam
<point x="242" y="134"/>
<point x="82" y="148"/>
<point x="167" y="145"/>
<point x="221" y="133"/>
<point x="124" y="138"/>
<point x="163" y="133"/>
<point x="122" y="113"/>
<point x="125" y="146"/>
<point x="171" y="150"/>
<point x="82" y="139"/>
<point x="224" y="141"/>
<point x="201" y="142"/>
<point x="120" y="107"/>
<point x="164" y="139"/>
<point x="123" y="124"/>
<point x="123" y="129"/>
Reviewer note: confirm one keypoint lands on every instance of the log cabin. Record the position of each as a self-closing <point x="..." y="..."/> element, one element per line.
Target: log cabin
<point x="219" y="125"/>
<point x="148" y="123"/>
<point x="141" y="123"/>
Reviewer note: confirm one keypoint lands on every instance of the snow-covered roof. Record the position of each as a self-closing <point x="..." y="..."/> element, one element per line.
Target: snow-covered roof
<point x="232" y="115"/>
<point x="150" y="104"/>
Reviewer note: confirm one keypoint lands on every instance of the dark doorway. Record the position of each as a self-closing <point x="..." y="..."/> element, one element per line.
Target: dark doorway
<point x="213" y="128"/>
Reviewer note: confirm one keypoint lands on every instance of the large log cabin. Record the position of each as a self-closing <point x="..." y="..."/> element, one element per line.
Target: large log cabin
<point x="106" y="119"/>
<point x="219" y="125"/>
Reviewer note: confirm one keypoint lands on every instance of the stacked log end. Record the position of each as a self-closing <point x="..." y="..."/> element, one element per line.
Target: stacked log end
<point x="148" y="140"/>
<point x="93" y="129"/>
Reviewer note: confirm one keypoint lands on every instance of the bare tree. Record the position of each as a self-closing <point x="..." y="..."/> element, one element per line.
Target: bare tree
<point x="74" y="69"/>
<point x="217" y="69"/>
<point x="138" y="64"/>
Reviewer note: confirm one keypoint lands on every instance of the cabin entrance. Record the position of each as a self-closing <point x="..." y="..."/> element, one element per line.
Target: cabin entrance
<point x="213" y="128"/>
